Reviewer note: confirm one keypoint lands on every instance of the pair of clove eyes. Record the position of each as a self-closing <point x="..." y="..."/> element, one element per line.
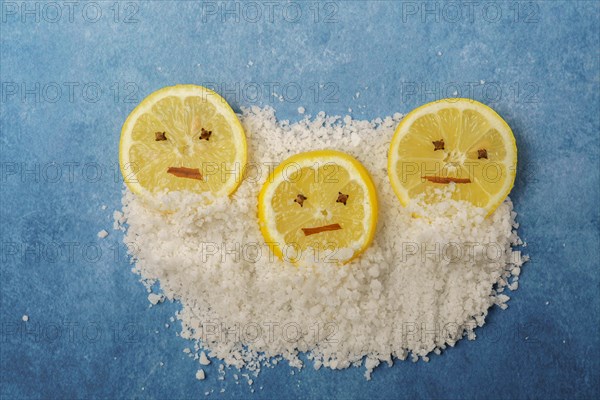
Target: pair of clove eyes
<point x="161" y="136"/>
<point x="342" y="198"/>
<point x="439" y="145"/>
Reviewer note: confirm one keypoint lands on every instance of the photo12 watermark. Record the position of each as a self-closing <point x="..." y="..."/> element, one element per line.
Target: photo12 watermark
<point x="68" y="92"/>
<point x="61" y="172"/>
<point x="256" y="92"/>
<point x="487" y="91"/>
<point x="294" y="12"/>
<point x="449" y="253"/>
<point x="266" y="332"/>
<point x="474" y="168"/>
<point x="69" y="12"/>
<point x="72" y="331"/>
<point x="457" y="12"/>
<point x="254" y="252"/>
<point x="67" y="252"/>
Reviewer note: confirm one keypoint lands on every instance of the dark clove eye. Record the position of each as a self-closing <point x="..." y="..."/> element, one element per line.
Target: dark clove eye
<point x="300" y="199"/>
<point x="438" y="145"/>
<point x="204" y="134"/>
<point x="342" y="198"/>
<point x="160" y="136"/>
<point x="482" y="153"/>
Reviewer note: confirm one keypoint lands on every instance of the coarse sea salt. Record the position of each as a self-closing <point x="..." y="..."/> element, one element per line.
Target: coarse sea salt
<point x="200" y="375"/>
<point x="204" y="359"/>
<point x="422" y="285"/>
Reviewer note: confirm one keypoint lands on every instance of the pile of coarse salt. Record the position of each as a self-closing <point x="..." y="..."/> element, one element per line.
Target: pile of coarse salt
<point x="422" y="285"/>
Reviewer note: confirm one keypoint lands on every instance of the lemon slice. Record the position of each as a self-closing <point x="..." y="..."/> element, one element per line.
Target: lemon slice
<point x="458" y="141"/>
<point x="318" y="206"/>
<point x="182" y="138"/>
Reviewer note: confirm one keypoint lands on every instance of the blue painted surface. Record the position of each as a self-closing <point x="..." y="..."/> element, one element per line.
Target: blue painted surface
<point x="90" y="332"/>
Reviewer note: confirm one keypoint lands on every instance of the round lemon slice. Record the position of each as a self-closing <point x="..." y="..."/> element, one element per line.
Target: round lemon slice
<point x="453" y="141"/>
<point x="182" y="138"/>
<point x="317" y="207"/>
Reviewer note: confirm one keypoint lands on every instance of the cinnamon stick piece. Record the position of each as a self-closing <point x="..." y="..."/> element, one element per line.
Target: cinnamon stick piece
<point x="312" y="231"/>
<point x="446" y="179"/>
<point x="183" y="172"/>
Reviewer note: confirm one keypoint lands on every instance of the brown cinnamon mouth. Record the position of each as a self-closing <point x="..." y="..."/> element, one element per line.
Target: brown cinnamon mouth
<point x="446" y="179"/>
<point x="183" y="172"/>
<point x="319" y="229"/>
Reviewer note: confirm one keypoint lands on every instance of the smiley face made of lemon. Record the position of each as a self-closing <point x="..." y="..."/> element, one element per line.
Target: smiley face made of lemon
<point x="182" y="138"/>
<point x="318" y="206"/>
<point x="459" y="141"/>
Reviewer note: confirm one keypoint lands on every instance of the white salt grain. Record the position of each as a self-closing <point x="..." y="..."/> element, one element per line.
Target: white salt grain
<point x="380" y="307"/>
<point x="200" y="375"/>
<point x="203" y="359"/>
<point x="155" y="298"/>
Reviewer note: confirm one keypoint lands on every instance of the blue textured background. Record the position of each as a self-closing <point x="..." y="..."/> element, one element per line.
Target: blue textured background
<point x="90" y="332"/>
